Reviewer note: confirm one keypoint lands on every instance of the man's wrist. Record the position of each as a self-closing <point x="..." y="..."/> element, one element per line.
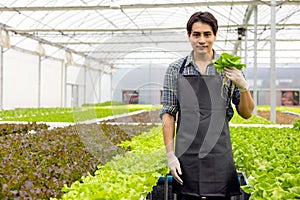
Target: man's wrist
<point x="170" y="154"/>
<point x="244" y="89"/>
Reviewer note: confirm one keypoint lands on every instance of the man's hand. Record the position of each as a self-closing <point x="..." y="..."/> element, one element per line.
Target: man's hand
<point x="236" y="77"/>
<point x="174" y="166"/>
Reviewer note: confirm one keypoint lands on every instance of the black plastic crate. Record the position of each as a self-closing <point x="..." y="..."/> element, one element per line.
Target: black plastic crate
<point x="163" y="189"/>
<point x="243" y="181"/>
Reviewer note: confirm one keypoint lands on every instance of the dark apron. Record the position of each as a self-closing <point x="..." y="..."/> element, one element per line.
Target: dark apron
<point x="203" y="144"/>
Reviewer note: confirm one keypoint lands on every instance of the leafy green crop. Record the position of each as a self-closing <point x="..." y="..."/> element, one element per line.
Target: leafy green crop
<point x="76" y="114"/>
<point x="268" y="155"/>
<point x="128" y="176"/>
<point x="6" y="129"/>
<point x="270" y="158"/>
<point x="296" y="125"/>
<point x="228" y="60"/>
<point x="37" y="162"/>
<point x="255" y="119"/>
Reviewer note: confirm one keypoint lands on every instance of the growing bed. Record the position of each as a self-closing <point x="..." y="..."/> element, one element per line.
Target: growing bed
<point x="76" y="161"/>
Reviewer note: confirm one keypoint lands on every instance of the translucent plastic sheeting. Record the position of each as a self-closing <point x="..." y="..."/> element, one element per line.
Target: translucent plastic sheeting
<point x="110" y="30"/>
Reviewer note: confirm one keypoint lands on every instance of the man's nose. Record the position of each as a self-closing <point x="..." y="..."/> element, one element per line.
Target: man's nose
<point x="201" y="39"/>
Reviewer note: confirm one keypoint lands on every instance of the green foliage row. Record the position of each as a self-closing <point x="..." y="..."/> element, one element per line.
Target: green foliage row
<point x="270" y="157"/>
<point x="36" y="165"/>
<point x="281" y="108"/>
<point x="236" y="119"/>
<point x="76" y="114"/>
<point x="259" y="120"/>
<point x="296" y="125"/>
<point x="106" y="109"/>
<point x="6" y="129"/>
<point x="39" y="168"/>
<point x="129" y="176"/>
<point x="107" y="103"/>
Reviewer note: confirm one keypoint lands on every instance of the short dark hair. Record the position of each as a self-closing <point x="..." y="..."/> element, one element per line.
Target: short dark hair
<point x="204" y="17"/>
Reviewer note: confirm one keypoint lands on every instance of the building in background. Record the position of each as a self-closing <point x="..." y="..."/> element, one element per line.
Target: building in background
<point x="148" y="83"/>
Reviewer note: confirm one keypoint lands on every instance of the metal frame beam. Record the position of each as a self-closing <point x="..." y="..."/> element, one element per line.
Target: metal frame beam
<point x="135" y="6"/>
<point x="248" y="14"/>
<point x="62" y="31"/>
<point x="180" y="51"/>
<point x="162" y="42"/>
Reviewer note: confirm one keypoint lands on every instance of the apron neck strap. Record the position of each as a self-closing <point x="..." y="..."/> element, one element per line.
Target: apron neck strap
<point x="182" y="66"/>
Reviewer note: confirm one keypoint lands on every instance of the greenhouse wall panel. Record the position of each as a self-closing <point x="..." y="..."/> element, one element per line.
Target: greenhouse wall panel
<point x="20" y="82"/>
<point x="106" y="89"/>
<point x="52" y="83"/>
<point x="75" y="75"/>
<point x="93" y="78"/>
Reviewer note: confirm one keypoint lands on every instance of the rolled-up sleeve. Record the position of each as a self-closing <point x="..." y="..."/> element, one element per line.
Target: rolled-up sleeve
<point x="236" y="98"/>
<point x="169" y="93"/>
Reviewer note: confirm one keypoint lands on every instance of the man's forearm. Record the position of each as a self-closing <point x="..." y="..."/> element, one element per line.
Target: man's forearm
<point x="168" y="128"/>
<point x="246" y="105"/>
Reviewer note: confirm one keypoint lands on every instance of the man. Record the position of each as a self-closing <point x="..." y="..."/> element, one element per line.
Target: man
<point x="202" y="164"/>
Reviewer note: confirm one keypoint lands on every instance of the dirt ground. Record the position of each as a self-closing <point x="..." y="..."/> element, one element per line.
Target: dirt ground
<point x="281" y="118"/>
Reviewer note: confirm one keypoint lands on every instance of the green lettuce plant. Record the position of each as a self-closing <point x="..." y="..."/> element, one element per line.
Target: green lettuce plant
<point x="270" y="158"/>
<point x="296" y="125"/>
<point x="129" y="176"/>
<point x="227" y="60"/>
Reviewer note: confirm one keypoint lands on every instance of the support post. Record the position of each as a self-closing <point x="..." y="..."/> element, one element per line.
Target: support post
<point x="84" y="82"/>
<point x="273" y="63"/>
<point x="1" y="78"/>
<point x="166" y="184"/>
<point x="65" y="84"/>
<point x="39" y="81"/>
<point x="100" y="85"/>
<point x="62" y="85"/>
<point x="255" y="62"/>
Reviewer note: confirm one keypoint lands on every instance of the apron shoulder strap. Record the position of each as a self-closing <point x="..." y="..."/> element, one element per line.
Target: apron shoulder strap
<point x="180" y="72"/>
<point x="182" y="65"/>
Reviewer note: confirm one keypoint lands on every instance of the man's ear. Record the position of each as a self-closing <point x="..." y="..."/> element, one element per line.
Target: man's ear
<point x="188" y="35"/>
<point x="216" y="35"/>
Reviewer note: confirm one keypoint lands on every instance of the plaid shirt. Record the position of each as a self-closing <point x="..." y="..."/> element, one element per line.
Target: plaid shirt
<point x="169" y="96"/>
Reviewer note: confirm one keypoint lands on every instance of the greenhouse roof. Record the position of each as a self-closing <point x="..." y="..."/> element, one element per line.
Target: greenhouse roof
<point x="135" y="33"/>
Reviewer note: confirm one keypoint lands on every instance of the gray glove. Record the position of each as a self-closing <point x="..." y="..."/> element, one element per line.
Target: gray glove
<point x="174" y="165"/>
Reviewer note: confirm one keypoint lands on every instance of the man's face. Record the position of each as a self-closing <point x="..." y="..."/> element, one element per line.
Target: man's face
<point x="202" y="38"/>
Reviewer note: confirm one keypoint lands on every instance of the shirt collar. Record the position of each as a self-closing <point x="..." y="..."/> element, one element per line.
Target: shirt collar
<point x="190" y="59"/>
